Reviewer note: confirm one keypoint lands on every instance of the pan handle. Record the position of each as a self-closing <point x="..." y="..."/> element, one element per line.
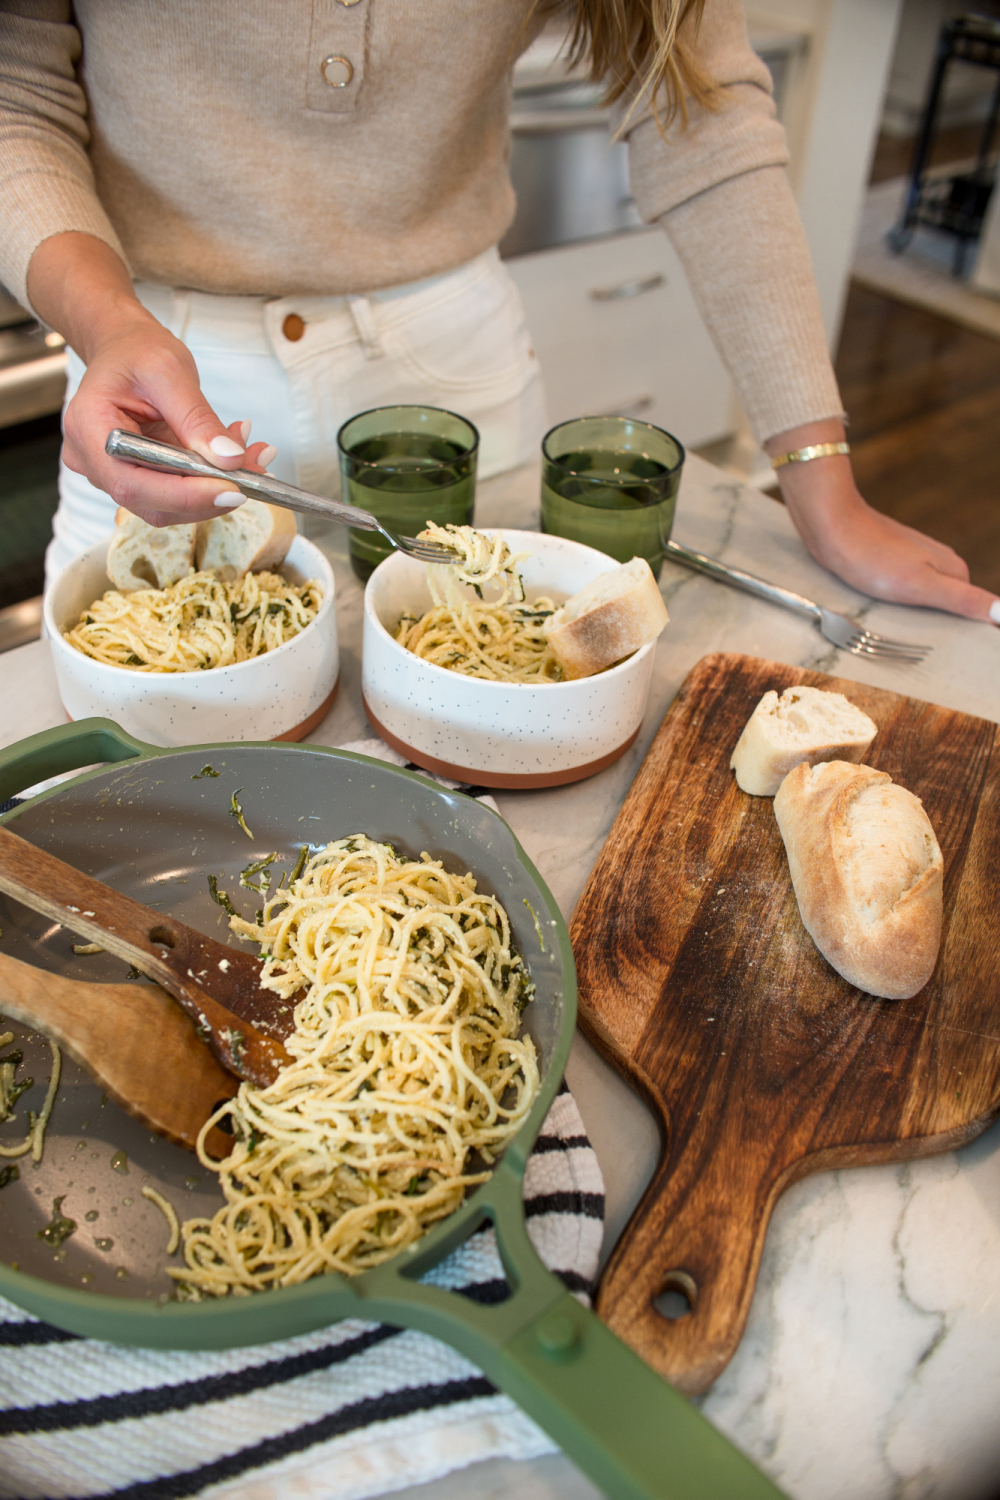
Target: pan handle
<point x="65" y="748"/>
<point x="633" y="1434"/>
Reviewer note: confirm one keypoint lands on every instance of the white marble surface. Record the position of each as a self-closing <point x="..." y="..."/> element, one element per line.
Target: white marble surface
<point x="870" y="1367"/>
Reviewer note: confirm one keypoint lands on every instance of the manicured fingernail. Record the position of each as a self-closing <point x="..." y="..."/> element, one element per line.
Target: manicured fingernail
<point x="245" y="431"/>
<point x="229" y="500"/>
<point x="995" y="611"/>
<point x="225" y="447"/>
<point x="266" y="456"/>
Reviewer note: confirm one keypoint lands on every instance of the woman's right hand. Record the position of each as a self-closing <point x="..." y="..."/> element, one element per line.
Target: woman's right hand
<point x="138" y="377"/>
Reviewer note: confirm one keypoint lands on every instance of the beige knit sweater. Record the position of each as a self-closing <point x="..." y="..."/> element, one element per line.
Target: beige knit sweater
<point x="203" y="142"/>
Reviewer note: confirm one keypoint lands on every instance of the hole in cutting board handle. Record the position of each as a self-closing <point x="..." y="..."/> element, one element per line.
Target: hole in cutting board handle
<point x="678" y="1296"/>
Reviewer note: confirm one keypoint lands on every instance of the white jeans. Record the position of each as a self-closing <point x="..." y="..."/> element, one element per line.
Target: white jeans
<point x="459" y="341"/>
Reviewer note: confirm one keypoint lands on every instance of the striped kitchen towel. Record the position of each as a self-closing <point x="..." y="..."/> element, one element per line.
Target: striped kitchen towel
<point x="355" y="1410"/>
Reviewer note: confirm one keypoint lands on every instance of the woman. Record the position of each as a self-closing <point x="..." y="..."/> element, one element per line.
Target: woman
<point x="308" y="196"/>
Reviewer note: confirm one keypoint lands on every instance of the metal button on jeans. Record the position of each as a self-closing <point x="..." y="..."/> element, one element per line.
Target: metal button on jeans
<point x="293" y="328"/>
<point x="338" y="72"/>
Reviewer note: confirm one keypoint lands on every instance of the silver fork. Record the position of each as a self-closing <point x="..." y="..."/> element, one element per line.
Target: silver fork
<point x="838" y="629"/>
<point x="155" y="455"/>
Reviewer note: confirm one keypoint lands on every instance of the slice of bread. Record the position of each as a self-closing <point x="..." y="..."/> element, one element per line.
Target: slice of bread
<point x="148" y="557"/>
<point x="248" y="540"/>
<point x="805" y="724"/>
<point x="612" y="616"/>
<point x="867" y="873"/>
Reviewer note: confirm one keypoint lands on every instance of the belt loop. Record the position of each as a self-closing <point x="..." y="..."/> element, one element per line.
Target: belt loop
<point x="364" y="321"/>
<point x="180" y="314"/>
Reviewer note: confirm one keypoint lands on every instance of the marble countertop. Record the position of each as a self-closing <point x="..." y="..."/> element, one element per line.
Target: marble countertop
<point x="870" y="1365"/>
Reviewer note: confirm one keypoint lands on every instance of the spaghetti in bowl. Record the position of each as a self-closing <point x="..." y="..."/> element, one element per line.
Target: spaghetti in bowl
<point x="497" y="733"/>
<point x="279" y="694"/>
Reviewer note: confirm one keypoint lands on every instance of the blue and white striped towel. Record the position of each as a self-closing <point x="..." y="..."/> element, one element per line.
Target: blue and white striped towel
<point x="355" y="1410"/>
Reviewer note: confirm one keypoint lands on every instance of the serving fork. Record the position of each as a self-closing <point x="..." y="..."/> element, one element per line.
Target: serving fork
<point x="838" y="629"/>
<point x="152" y="454"/>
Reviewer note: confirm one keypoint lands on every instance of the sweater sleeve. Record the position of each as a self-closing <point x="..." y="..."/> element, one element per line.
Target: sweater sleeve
<point x="719" y="189"/>
<point x="45" y="177"/>
<point x="747" y="262"/>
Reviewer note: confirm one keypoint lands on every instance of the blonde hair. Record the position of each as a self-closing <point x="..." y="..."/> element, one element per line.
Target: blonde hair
<point x="641" y="47"/>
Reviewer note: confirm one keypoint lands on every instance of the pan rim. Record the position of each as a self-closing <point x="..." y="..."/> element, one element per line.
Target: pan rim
<point x="83" y="1310"/>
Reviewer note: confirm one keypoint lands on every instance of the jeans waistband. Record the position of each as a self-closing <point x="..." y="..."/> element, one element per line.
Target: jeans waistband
<point x="213" y="317"/>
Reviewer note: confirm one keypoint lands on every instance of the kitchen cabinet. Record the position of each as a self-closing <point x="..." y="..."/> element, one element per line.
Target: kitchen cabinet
<point x="617" y="331"/>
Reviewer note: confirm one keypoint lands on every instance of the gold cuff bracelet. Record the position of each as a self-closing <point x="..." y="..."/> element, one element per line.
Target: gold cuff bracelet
<point x="803" y="455"/>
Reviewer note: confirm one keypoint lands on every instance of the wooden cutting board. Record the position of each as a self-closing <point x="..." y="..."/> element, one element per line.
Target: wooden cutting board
<point x="699" y="982"/>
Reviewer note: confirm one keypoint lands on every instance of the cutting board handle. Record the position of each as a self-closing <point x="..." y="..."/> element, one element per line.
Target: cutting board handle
<point x="700" y="985"/>
<point x="697" y="1233"/>
<point x="66" y="748"/>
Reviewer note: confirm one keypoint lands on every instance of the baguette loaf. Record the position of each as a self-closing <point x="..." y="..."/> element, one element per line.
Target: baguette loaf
<point x="867" y="874"/>
<point x="612" y="616"/>
<point x="804" y="724"/>
<point x="148" y="557"/>
<point x="250" y="539"/>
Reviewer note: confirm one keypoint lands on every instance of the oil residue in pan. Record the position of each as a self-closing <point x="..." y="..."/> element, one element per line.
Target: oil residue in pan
<point x="96" y="1161"/>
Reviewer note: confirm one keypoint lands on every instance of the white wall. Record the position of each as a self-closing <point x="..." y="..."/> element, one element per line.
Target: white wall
<point x="832" y="117"/>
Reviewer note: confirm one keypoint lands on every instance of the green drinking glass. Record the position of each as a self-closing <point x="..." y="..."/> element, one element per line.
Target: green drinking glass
<point x="612" y="484"/>
<point x="407" y="465"/>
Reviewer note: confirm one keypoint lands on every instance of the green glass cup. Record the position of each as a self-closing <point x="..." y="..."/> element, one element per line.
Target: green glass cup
<point x="407" y="465"/>
<point x="612" y="484"/>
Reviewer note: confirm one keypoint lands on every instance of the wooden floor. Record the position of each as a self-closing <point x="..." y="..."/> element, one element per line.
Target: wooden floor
<point x="923" y="397"/>
<point x="893" y="156"/>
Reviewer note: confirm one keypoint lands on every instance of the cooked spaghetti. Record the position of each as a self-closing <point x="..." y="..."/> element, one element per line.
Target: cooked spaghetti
<point x="468" y="633"/>
<point x="10" y="1091"/>
<point x="406" y="1062"/>
<point x="482" y="558"/>
<point x="198" y="623"/>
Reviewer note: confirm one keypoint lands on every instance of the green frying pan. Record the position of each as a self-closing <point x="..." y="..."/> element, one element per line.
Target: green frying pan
<point x="153" y="827"/>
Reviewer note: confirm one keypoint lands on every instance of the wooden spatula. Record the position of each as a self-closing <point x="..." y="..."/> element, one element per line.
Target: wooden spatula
<point x="219" y="987"/>
<point x="139" y="1046"/>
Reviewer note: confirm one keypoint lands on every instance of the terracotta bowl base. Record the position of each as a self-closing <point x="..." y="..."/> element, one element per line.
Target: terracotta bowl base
<point x="508" y="780"/>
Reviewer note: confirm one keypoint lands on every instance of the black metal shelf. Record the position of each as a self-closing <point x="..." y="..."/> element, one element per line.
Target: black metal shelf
<point x="956" y="203"/>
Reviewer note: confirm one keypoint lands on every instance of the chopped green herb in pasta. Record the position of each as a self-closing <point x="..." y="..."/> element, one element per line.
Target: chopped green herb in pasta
<point x="197" y="623"/>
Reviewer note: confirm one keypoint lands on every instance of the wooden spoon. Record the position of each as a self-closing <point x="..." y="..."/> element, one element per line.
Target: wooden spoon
<point x="219" y="987"/>
<point x="139" y="1046"/>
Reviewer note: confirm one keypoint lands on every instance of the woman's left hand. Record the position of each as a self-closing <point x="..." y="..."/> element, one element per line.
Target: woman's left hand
<point x="869" y="550"/>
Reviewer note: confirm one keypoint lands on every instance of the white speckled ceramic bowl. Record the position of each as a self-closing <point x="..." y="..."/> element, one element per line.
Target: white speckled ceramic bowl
<point x="281" y="695"/>
<point x="495" y="733"/>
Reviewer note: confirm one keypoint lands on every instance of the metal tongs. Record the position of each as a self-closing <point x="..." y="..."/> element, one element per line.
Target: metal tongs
<point x="155" y="455"/>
